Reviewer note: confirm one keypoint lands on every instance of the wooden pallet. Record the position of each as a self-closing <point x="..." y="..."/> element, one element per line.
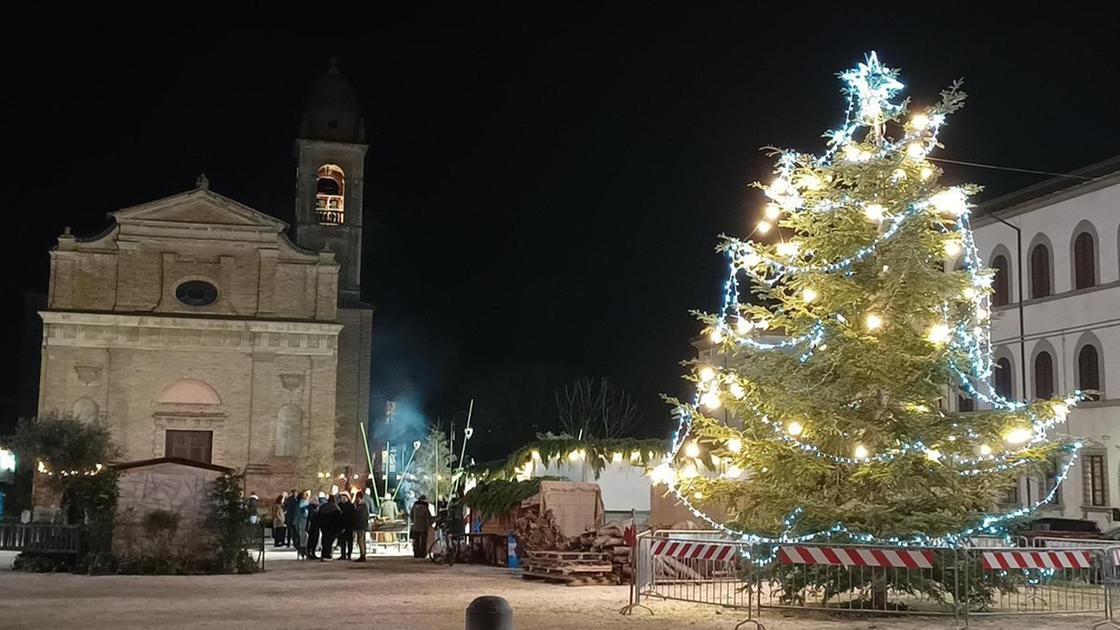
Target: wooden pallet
<point x="569" y="568"/>
<point x="569" y="555"/>
<point x="586" y="579"/>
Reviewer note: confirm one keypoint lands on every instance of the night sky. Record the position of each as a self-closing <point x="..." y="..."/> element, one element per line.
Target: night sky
<point x="544" y="190"/>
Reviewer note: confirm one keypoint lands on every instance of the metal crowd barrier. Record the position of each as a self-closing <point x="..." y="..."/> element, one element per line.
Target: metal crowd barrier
<point x="1110" y="575"/>
<point x="976" y="581"/>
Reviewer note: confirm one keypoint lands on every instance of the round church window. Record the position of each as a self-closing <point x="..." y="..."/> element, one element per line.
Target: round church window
<point x="196" y="293"/>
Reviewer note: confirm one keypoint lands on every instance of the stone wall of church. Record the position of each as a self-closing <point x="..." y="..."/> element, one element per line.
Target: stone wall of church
<point x="261" y="281"/>
<point x="266" y="390"/>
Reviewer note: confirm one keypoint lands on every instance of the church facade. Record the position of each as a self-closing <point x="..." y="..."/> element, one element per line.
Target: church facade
<point x="196" y="328"/>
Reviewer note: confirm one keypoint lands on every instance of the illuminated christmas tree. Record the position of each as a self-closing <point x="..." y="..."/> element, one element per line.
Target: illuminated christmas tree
<point x="875" y="307"/>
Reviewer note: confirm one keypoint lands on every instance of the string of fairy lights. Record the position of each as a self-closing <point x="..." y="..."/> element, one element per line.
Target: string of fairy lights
<point x="869" y="89"/>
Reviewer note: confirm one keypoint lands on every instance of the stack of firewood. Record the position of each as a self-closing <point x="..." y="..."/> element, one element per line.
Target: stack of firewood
<point x="538" y="532"/>
<point x="610" y="538"/>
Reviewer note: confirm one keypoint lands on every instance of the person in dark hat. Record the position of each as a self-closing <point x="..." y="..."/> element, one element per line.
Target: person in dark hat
<point x="421" y="515"/>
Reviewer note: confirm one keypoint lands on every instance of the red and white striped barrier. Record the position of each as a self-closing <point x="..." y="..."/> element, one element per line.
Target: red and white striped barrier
<point x="693" y="550"/>
<point x="857" y="557"/>
<point x="1080" y="559"/>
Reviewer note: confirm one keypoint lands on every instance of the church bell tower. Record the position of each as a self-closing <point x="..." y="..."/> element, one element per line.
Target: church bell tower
<point x="331" y="154"/>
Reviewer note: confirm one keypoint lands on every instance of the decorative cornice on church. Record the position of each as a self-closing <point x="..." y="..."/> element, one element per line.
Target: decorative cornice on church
<point x="96" y="330"/>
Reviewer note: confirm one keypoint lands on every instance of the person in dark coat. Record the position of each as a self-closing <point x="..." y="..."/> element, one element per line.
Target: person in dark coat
<point x="421" y="515"/>
<point x="346" y="526"/>
<point x="291" y="511"/>
<point x="329" y="522"/>
<point x="312" y="529"/>
<point x="361" y="523"/>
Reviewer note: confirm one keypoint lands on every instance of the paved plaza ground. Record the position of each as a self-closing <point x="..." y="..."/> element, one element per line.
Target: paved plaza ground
<point x="385" y="593"/>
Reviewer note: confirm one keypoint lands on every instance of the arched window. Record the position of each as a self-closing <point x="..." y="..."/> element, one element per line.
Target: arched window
<point x="1040" y="271"/>
<point x="1002" y="377"/>
<point x="1043" y="375"/>
<point x="1089" y="371"/>
<point x="1001" y="289"/>
<point x="289" y="430"/>
<point x="1084" y="261"/>
<point x="330" y="194"/>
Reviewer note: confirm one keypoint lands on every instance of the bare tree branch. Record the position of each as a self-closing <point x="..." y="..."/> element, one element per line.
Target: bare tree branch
<point x="588" y="408"/>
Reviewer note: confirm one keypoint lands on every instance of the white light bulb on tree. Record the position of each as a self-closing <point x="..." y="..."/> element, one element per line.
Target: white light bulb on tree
<point x="950" y="201"/>
<point x="1018" y="435"/>
<point x="707" y="373"/>
<point x="1061" y="410"/>
<point x="939" y="334"/>
<point x="734" y="445"/>
<point x="953" y="247"/>
<point x="762" y="324"/>
<point x="662" y="475"/>
<point x="744" y="325"/>
<point x="985" y="450"/>
<point x="915" y="151"/>
<point x="933" y="455"/>
<point x="898" y="174"/>
<point x="751" y="260"/>
<point x="763" y="227"/>
<point x="874" y="212"/>
<point x="779" y="186"/>
<point x="872" y="322"/>
<point x="809" y="294"/>
<point x="810" y="182"/>
<point x="926" y="172"/>
<point x="772" y="211"/>
<point x="692" y="449"/>
<point x="969" y="293"/>
<point x="860" y="451"/>
<point x="710" y="400"/>
<point x="794" y="428"/>
<point x="919" y="122"/>
<point x="736" y="390"/>
<point x="717" y="335"/>
<point x="788" y="249"/>
<point x="733" y="472"/>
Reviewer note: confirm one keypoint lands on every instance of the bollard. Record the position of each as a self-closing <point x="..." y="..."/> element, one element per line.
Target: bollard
<point x="489" y="612"/>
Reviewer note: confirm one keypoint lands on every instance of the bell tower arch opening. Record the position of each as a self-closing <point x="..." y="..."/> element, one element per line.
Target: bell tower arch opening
<point x="331" y="153"/>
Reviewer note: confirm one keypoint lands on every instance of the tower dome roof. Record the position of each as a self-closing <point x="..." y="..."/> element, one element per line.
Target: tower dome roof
<point x="332" y="111"/>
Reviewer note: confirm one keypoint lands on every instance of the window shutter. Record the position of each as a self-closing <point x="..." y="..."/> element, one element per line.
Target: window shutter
<point x="1084" y="261"/>
<point x="1001" y="289"/>
<point x="1088" y="370"/>
<point x="1040" y="271"/>
<point x="1002" y="378"/>
<point x="1043" y="375"/>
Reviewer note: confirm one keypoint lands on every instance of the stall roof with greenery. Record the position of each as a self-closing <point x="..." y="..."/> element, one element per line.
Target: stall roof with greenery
<point x="644" y="452"/>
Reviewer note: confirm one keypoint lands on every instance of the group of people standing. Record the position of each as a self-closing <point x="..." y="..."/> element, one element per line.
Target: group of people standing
<point x="314" y="524"/>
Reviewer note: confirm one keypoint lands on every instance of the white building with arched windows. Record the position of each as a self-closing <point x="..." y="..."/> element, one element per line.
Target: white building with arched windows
<point x="1055" y="248"/>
